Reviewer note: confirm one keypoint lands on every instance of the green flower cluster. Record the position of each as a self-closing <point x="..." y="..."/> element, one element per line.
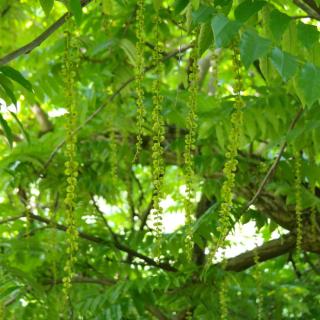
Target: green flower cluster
<point x="297" y="184"/>
<point x="71" y="61"/>
<point x="157" y="133"/>
<point x="313" y="211"/>
<point x="139" y="74"/>
<point x="190" y="146"/>
<point x="223" y="299"/>
<point x="231" y="163"/>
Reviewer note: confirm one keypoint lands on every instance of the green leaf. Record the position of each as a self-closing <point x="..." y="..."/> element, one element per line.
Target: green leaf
<point x="247" y="9"/>
<point x="16" y="76"/>
<point x="308" y="35"/>
<point x="205" y="38"/>
<point x="224" y="30"/>
<point x="278" y="23"/>
<point x="252" y="47"/>
<point x="47" y="6"/>
<point x="76" y="10"/>
<point x="157" y="4"/>
<point x="285" y="63"/>
<point x="180" y="5"/>
<point x="130" y="50"/>
<point x="24" y="132"/>
<point x="6" y="130"/>
<point x="189" y="18"/>
<point x="221" y="136"/>
<point x="195" y="4"/>
<point x="308" y="84"/>
<point x="6" y="84"/>
<point x="203" y="14"/>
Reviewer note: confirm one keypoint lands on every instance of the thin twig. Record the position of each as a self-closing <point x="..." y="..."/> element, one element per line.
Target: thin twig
<point x="114" y="243"/>
<point x="272" y="169"/>
<point x="4" y="221"/>
<point x="41" y="38"/>
<point x="311" y="11"/>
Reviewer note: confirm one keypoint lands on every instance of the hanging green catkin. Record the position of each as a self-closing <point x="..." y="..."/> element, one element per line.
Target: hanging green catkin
<point x="188" y="315"/>
<point x="258" y="279"/>
<point x="231" y="163"/>
<point x="312" y="189"/>
<point x="157" y="134"/>
<point x="139" y="74"/>
<point x="190" y="146"/>
<point x="297" y="184"/>
<point x="230" y="166"/>
<point x="223" y="299"/>
<point x="71" y="166"/>
<point x="214" y="83"/>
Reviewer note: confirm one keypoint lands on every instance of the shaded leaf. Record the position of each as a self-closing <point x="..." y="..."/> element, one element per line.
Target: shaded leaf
<point x="6" y="130"/>
<point x="224" y="30"/>
<point x="24" y="132"/>
<point x="308" y="35"/>
<point x="16" y="76"/>
<point x="76" y="10"/>
<point x="284" y="62"/>
<point x="252" y="47"/>
<point x="47" y="6"/>
<point x="7" y="86"/>
<point x="205" y="38"/>
<point x="203" y="14"/>
<point x="130" y="50"/>
<point x="278" y="23"/>
<point x="308" y="84"/>
<point x="247" y="9"/>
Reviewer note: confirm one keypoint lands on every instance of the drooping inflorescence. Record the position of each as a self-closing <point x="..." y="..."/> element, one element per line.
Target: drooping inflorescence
<point x="190" y="146"/>
<point x="229" y="170"/>
<point x="231" y="163"/>
<point x="223" y="299"/>
<point x="71" y="61"/>
<point x="157" y="133"/>
<point x="139" y="74"/>
<point x="312" y="189"/>
<point x="297" y="184"/>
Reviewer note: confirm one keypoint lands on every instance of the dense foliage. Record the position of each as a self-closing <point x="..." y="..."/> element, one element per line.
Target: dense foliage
<point x="137" y="136"/>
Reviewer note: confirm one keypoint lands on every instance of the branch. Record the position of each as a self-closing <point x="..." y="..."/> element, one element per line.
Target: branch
<point x="156" y="312"/>
<point x="309" y="7"/>
<point x="312" y="4"/>
<point x="272" y="169"/>
<point x="267" y="251"/>
<point x="41" y="38"/>
<point x="115" y="243"/>
<point x="103" y="282"/>
<point x="4" y="221"/>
